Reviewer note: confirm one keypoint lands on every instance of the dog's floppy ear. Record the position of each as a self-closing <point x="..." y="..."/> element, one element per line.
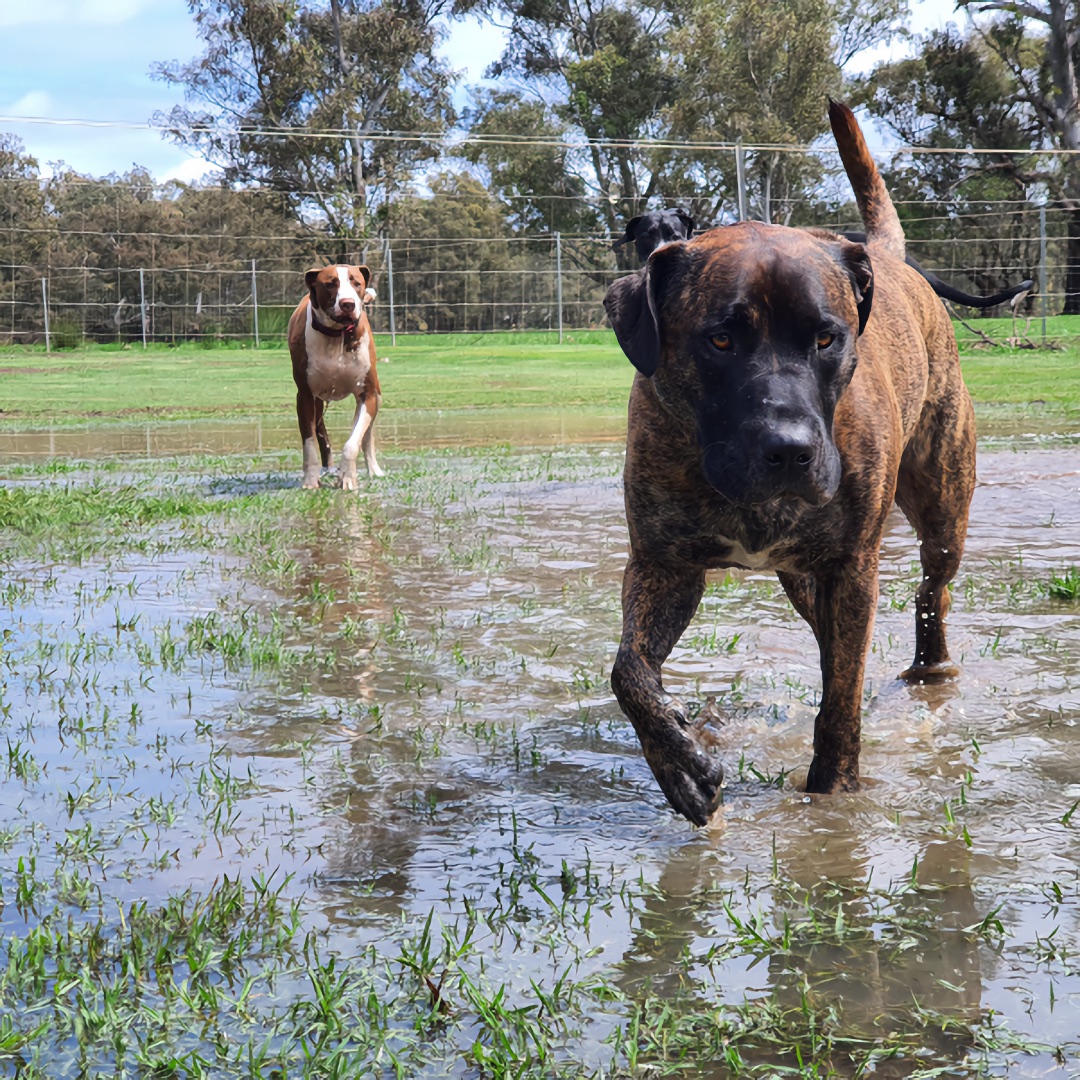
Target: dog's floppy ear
<point x="629" y="236"/>
<point x="687" y="220"/>
<point x="311" y="275"/>
<point x="857" y="262"/>
<point x="631" y="308"/>
<point x="365" y="273"/>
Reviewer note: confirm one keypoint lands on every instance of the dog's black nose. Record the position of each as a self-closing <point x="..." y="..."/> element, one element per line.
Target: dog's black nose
<point x="347" y="307"/>
<point x="788" y="449"/>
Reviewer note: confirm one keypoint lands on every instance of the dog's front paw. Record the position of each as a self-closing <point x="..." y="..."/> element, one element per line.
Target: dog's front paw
<point x="685" y="759"/>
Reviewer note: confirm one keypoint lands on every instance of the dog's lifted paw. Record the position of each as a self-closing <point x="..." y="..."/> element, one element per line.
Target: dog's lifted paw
<point x="686" y="763"/>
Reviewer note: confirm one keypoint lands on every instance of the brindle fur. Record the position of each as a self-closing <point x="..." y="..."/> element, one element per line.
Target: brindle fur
<point x="868" y="420"/>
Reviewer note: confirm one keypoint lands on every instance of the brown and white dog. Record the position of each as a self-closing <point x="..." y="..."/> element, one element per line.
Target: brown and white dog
<point x="333" y="357"/>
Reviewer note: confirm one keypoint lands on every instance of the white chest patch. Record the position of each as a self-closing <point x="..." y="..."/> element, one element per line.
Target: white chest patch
<point x="334" y="373"/>
<point x="751" y="560"/>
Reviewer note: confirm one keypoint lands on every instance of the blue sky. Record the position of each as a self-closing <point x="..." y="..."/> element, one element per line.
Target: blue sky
<point x="91" y="59"/>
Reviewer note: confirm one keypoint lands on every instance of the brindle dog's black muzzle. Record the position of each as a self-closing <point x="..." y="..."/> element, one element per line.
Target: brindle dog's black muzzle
<point x="779" y="463"/>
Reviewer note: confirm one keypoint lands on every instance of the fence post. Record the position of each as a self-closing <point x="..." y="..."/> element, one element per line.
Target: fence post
<point x="142" y="304"/>
<point x="45" y="306"/>
<point x="740" y="177"/>
<point x="1042" y="266"/>
<point x="255" y="302"/>
<point x="558" y="279"/>
<point x="390" y="289"/>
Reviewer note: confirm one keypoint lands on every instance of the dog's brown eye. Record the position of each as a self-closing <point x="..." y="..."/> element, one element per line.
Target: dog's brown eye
<point x="825" y="340"/>
<point x="721" y="342"/>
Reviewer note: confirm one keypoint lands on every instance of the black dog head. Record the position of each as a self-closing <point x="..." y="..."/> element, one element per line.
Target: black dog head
<point x="748" y="334"/>
<point x="657" y="227"/>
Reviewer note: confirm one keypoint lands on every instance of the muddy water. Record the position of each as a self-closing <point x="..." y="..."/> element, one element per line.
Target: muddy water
<point x="444" y="742"/>
<point x="413" y="430"/>
<point x="402" y="431"/>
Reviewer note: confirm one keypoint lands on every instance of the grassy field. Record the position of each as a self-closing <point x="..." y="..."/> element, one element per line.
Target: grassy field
<point x="439" y="372"/>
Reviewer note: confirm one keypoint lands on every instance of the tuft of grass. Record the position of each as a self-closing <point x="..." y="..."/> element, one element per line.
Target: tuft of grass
<point x="1065" y="586"/>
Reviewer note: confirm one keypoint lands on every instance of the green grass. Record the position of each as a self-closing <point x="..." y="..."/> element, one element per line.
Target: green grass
<point x="429" y="372"/>
<point x="446" y="372"/>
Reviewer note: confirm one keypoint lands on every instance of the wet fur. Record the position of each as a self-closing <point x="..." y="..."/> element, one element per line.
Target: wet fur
<point x="890" y="404"/>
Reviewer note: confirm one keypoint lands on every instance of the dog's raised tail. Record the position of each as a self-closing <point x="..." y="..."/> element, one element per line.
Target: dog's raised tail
<point x="883" y="228"/>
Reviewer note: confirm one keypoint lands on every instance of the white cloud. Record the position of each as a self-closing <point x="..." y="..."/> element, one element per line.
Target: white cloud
<point x="32" y="103"/>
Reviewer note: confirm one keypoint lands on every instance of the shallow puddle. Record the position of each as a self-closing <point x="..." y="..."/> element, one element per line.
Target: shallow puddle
<point x="393" y="708"/>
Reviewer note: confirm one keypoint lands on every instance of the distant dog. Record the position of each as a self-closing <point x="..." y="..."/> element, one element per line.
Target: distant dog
<point x="649" y="231"/>
<point x="949" y="292"/>
<point x="333" y="357"/>
<point x="791" y="385"/>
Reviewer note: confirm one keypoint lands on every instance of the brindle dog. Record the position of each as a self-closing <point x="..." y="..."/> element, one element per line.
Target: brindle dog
<point x="790" y="386"/>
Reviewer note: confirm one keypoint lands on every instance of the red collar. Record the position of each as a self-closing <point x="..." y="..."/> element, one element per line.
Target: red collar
<point x="330" y="331"/>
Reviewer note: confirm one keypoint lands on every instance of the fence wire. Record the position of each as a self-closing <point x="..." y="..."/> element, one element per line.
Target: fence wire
<point x="126" y="261"/>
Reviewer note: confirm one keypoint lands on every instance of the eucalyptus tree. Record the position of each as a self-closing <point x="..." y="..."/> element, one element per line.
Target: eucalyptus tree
<point x="957" y="98"/>
<point x="634" y="87"/>
<point x="336" y="104"/>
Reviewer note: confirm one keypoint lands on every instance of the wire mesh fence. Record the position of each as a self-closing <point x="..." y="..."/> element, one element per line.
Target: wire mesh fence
<point x="127" y="261"/>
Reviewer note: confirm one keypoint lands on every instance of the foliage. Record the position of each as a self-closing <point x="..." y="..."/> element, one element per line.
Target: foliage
<point x="331" y="78"/>
<point x="953" y="95"/>
<point x="1006" y="83"/>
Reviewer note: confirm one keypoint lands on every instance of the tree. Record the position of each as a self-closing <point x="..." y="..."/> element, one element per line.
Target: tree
<point x="596" y="72"/>
<point x="954" y="95"/>
<point x="761" y="74"/>
<point x="26" y="232"/>
<point x="300" y="97"/>
<point x="616" y="77"/>
<point x="522" y="145"/>
<point x="1028" y="53"/>
<point x="453" y="267"/>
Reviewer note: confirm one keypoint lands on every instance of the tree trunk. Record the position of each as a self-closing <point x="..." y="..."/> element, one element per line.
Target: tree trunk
<point x="1072" y="265"/>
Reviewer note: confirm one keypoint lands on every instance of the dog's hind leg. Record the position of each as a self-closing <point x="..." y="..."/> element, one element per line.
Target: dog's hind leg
<point x="934" y="489"/>
<point x="305" y="416"/>
<point x="658" y="604"/>
<point x="320" y="433"/>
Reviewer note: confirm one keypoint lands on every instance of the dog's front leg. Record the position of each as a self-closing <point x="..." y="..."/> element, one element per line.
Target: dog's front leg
<point x="658" y="604"/>
<point x="845" y="601"/>
<point x="351" y="450"/>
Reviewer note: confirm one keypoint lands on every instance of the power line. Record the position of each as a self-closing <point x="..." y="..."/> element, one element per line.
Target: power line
<point x="480" y="139"/>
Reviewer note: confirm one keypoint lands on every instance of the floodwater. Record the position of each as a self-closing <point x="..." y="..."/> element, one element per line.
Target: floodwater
<point x="410" y="431"/>
<point x="441" y="741"/>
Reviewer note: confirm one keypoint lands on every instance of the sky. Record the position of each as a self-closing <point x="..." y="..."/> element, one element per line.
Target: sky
<point x="91" y="60"/>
